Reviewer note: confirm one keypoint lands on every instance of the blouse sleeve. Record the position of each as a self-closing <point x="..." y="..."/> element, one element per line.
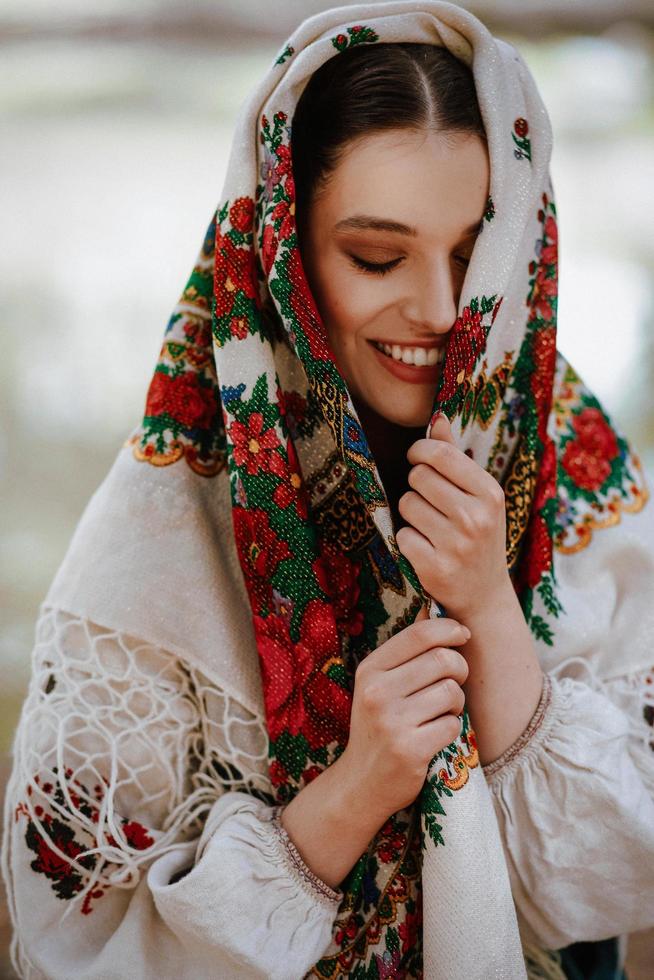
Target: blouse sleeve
<point x="130" y="849"/>
<point x="574" y="798"/>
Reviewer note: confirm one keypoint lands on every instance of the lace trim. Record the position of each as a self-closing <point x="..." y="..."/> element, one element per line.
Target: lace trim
<point x="295" y="861"/>
<point x="529" y="734"/>
<point x="120" y="753"/>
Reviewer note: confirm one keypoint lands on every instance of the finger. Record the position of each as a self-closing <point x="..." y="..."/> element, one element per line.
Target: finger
<point x="450" y="462"/>
<point x="423" y="517"/>
<point x="414" y="545"/>
<point x="437" y="490"/>
<point x="423" y="614"/>
<point x="427" y="669"/>
<point x="441" y="429"/>
<point x="418" y="637"/>
<point x="443" y="697"/>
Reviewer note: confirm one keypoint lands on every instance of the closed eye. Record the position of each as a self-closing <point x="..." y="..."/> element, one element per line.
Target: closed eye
<point x="379" y="269"/>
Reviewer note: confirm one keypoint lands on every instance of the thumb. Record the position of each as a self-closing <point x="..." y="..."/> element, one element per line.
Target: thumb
<point x="441" y="428"/>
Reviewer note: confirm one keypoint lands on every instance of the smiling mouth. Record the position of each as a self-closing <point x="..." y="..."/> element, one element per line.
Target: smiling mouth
<point x="412" y="356"/>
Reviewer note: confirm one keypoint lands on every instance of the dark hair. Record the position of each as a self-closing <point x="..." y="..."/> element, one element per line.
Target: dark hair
<point x="371" y="88"/>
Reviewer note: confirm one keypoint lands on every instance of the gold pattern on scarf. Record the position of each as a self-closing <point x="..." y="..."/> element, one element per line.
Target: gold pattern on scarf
<point x="174" y="451"/>
<point x="483" y="397"/>
<point x="333" y="404"/>
<point x="519" y="491"/>
<point x="342" y="517"/>
<point x="462" y="764"/>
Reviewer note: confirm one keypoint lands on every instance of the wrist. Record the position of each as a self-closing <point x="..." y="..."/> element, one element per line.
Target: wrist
<point x="353" y="795"/>
<point x="499" y="607"/>
<point x="331" y="822"/>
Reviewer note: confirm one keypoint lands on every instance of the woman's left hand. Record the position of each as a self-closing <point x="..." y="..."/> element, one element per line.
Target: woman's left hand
<point x="457" y="538"/>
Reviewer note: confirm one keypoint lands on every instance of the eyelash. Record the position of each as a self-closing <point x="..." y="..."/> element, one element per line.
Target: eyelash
<point x="383" y="268"/>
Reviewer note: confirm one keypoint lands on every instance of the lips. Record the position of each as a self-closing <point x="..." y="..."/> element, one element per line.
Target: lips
<point x="425" y="374"/>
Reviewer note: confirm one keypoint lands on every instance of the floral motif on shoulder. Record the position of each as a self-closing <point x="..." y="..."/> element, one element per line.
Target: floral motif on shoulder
<point x="182" y="417"/>
<point x="599" y="478"/>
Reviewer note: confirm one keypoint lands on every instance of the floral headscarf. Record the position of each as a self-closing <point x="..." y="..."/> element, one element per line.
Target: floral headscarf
<point x="247" y="391"/>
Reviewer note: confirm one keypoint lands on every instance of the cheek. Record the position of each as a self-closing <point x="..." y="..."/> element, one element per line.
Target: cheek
<point x="351" y="306"/>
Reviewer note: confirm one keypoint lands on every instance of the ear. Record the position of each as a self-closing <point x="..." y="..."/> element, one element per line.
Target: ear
<point x="441" y="429"/>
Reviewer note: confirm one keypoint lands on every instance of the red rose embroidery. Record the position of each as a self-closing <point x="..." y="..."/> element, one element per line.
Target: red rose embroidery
<point x="234" y="270"/>
<point x="260" y="550"/>
<point x="587" y="458"/>
<point x="338" y="578"/>
<point x="299" y="697"/>
<point x="183" y="398"/>
<point x="241" y="214"/>
<point x="466" y="342"/>
<point x="269" y="248"/>
<point x="584" y="468"/>
<point x="521" y="127"/>
<point x="594" y="434"/>
<point x="285" y="213"/>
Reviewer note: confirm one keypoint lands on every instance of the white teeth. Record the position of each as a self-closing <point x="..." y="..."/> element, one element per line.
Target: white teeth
<point x="420" y="356"/>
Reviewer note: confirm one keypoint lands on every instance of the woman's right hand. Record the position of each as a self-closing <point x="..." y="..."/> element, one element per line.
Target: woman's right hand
<point x="406" y="702"/>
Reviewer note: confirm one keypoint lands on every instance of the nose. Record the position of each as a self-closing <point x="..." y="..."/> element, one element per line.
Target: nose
<point x="434" y="294"/>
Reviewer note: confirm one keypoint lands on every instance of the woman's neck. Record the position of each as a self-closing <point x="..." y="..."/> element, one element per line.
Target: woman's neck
<point x="389" y="444"/>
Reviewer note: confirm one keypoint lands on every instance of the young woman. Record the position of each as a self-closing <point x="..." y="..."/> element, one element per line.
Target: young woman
<point x="345" y="672"/>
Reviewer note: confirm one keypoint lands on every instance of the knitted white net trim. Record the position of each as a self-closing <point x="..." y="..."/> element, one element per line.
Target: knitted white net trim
<point x="122" y="749"/>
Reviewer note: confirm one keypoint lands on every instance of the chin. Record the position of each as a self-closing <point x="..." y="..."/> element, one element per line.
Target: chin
<point x="408" y="418"/>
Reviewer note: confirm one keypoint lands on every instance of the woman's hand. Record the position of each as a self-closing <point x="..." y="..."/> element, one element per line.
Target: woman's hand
<point x="457" y="538"/>
<point x="405" y="708"/>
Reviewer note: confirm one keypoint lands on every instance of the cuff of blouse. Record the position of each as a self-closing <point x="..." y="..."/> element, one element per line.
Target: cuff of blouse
<point x="533" y="735"/>
<point x="297" y="866"/>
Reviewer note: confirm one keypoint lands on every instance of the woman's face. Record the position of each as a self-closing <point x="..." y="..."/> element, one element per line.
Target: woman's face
<point x="385" y="249"/>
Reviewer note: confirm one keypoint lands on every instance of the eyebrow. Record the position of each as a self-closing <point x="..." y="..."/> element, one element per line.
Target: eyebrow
<point x="367" y="222"/>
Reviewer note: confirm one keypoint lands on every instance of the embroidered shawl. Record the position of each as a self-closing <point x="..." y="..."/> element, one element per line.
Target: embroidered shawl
<point x="246" y="393"/>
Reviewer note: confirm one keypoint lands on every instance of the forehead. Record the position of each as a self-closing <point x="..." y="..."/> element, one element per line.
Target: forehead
<point x="425" y="180"/>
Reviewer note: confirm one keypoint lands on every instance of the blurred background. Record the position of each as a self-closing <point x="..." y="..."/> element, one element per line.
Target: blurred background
<point x="116" y="120"/>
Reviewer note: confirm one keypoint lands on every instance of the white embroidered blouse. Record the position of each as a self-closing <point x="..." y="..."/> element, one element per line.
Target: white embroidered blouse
<point x="141" y="839"/>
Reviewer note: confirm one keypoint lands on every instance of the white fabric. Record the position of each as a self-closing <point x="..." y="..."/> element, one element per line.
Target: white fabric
<point x="575" y="809"/>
